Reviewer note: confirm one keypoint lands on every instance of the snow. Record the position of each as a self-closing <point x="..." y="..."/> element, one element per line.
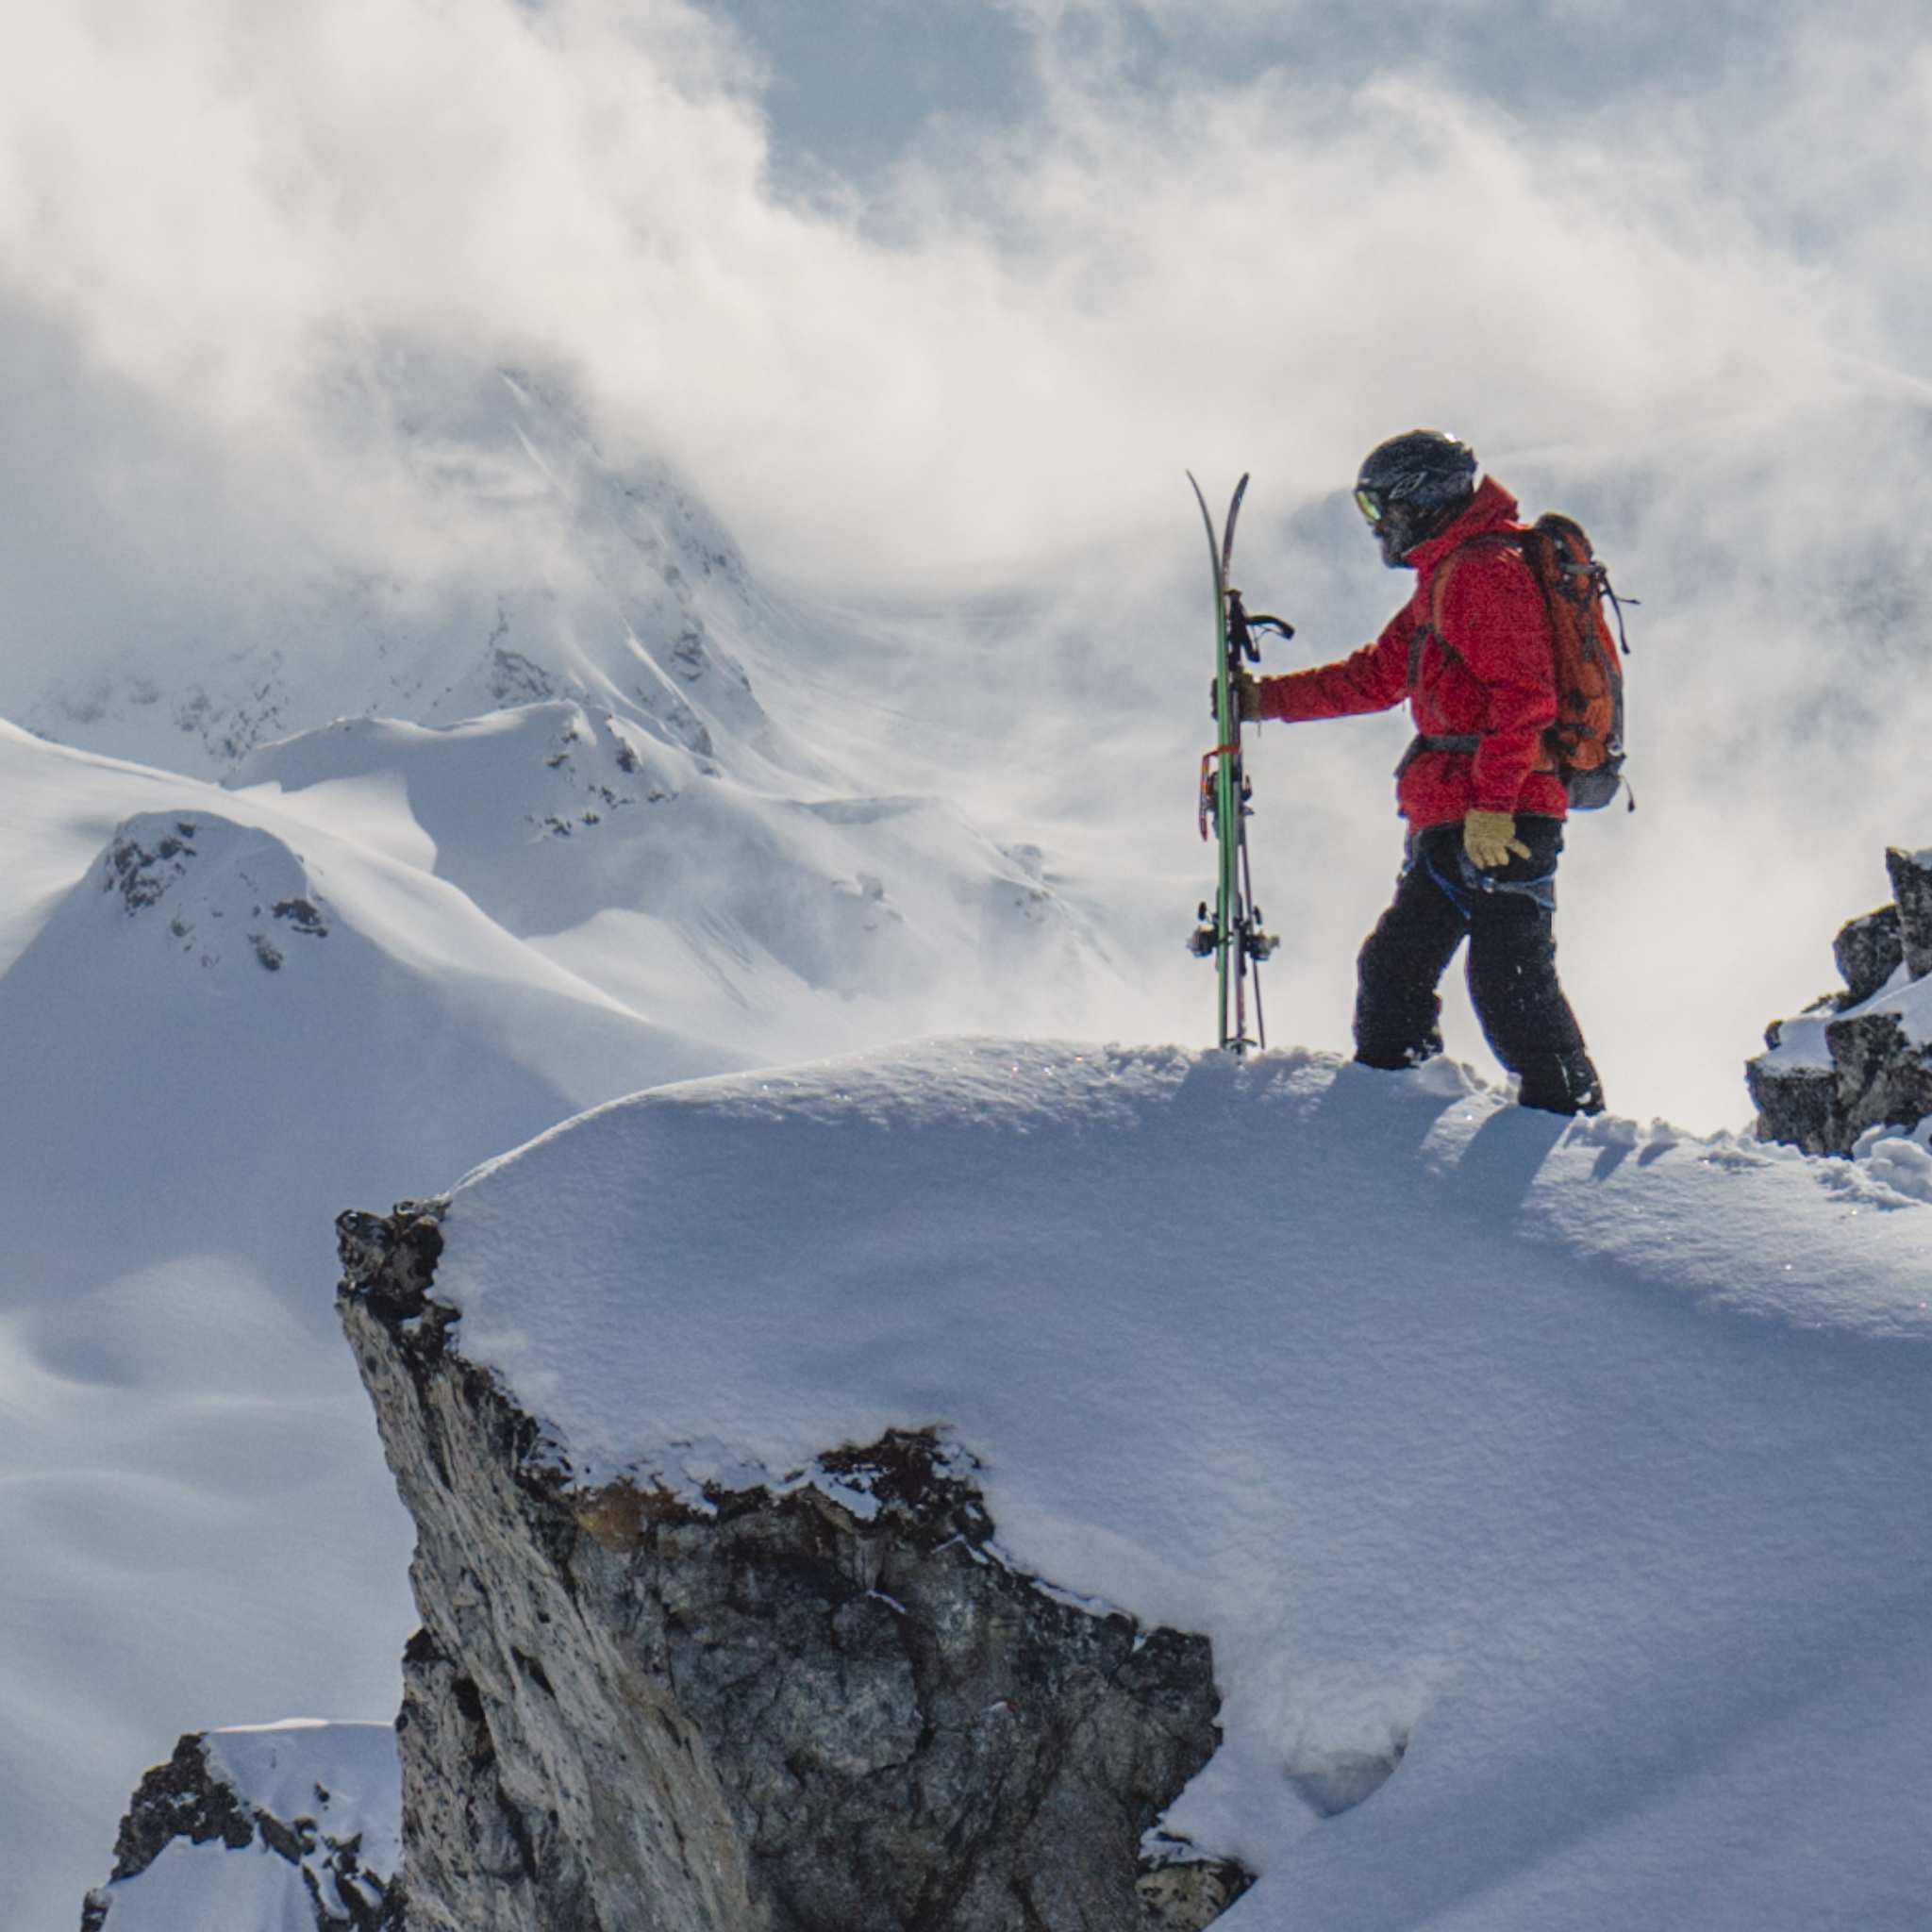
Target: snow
<point x="1801" y="1046"/>
<point x="370" y="964"/>
<point x="1912" y="1002"/>
<point x="198" y="1523"/>
<point x="1901" y="1158"/>
<point x="637" y="821"/>
<point x="1582" y="1460"/>
<point x="741" y="905"/>
<point x="343" y="1777"/>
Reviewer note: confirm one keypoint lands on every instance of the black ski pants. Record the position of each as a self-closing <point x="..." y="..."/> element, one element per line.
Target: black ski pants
<point x="1506" y="916"/>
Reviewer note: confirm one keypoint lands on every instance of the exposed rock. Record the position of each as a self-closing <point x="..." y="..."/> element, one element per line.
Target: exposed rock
<point x="1180" y="1890"/>
<point x="141" y="873"/>
<point x="1868" y="951"/>
<point x="1796" y="1104"/>
<point x="1859" y="1059"/>
<point x="822" y="1704"/>
<point x="1911" y="879"/>
<point x="256" y="1794"/>
<point x="209" y="888"/>
<point x="182" y="1798"/>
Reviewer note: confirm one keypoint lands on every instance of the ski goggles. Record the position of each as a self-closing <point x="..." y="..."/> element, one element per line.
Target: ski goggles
<point x="1370" y="505"/>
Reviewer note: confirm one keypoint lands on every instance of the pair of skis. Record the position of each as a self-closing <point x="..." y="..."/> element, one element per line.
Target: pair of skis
<point x="1232" y="936"/>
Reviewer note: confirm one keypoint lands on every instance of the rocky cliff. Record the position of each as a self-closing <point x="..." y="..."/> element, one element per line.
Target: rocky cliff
<point x="1859" y="1059"/>
<point x="818" y="1702"/>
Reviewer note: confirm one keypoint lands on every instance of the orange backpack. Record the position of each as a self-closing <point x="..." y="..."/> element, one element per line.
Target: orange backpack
<point x="1584" y="746"/>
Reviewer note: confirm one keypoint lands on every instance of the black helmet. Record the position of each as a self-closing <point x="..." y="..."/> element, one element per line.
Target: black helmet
<point x="1412" y="486"/>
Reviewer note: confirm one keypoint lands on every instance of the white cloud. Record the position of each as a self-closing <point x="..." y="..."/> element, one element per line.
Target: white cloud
<point x="236" y="243"/>
<point x="234" y="210"/>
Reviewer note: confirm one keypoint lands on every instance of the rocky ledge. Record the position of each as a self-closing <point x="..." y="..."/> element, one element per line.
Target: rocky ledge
<point x="822" y="1704"/>
<point x="1861" y="1058"/>
<point x="305" y="1814"/>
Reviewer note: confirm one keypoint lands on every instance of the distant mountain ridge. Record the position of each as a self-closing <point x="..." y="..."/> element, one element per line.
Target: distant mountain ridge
<point x="606" y="585"/>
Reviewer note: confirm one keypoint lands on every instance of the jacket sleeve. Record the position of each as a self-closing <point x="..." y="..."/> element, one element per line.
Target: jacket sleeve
<point x="1372" y="679"/>
<point x="1494" y="618"/>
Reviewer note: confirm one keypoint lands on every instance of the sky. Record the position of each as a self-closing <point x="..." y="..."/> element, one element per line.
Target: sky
<point x="934" y="302"/>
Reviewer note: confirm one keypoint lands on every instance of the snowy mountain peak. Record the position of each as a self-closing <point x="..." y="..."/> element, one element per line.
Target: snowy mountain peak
<point x="289" y="1825"/>
<point x="576" y="579"/>
<point x="213" y="892"/>
<point x="658" y="875"/>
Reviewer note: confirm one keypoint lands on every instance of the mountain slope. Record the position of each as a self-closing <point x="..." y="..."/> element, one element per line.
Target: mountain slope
<point x="783" y="916"/>
<point x="217" y="1023"/>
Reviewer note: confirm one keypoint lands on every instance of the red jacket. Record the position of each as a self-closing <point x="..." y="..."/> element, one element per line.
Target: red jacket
<point x="1489" y="676"/>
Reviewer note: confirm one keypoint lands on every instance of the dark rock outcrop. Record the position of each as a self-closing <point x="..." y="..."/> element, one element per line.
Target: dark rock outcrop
<point x="1850" y="1062"/>
<point x="1868" y="952"/>
<point x="193" y="1799"/>
<point x="824" y="1705"/>
<point x="1911" y="879"/>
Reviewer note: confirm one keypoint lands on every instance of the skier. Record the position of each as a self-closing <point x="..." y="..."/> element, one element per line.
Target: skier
<point x="1485" y="808"/>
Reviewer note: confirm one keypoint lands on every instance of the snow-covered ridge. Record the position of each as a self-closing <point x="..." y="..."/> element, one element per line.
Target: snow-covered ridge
<point x="227" y="1011"/>
<point x="219" y="1020"/>
<point x="674" y="885"/>
<point x="294" y="1825"/>
<point x="1572" y="1466"/>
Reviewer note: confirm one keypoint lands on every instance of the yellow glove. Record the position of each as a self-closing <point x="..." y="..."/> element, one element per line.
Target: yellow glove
<point x="1246" y="694"/>
<point x="1490" y="838"/>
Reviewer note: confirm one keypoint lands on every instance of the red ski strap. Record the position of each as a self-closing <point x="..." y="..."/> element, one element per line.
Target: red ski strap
<point x="1207" y="800"/>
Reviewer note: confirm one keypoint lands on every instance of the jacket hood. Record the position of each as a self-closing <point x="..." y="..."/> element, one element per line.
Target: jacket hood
<point x="1491" y="509"/>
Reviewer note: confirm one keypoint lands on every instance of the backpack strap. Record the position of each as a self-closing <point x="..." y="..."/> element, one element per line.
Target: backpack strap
<point x="1466" y="743"/>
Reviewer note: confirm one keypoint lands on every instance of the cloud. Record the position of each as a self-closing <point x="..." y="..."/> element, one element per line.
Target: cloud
<point x="243" y="213"/>
<point x="247" y="254"/>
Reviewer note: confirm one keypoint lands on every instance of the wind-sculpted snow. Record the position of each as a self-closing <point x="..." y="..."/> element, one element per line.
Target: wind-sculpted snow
<point x="217" y="1023"/>
<point x="774" y="915"/>
<point x="1552" y="1493"/>
<point x="222" y="1014"/>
